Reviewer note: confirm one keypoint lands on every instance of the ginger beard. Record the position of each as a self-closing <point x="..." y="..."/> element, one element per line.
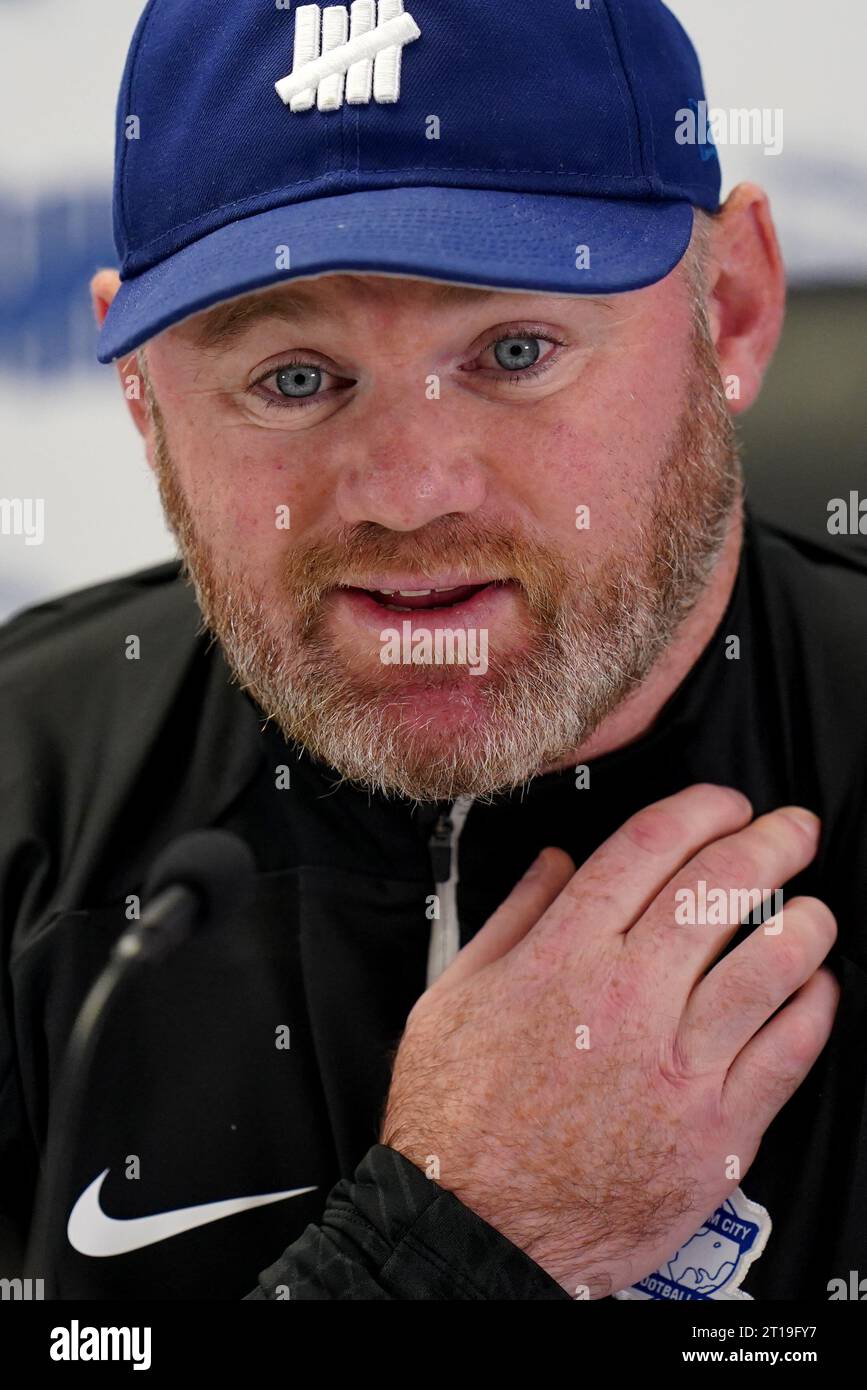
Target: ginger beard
<point x="591" y="632"/>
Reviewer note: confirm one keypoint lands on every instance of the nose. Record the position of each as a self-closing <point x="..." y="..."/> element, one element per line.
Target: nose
<point x="410" y="466"/>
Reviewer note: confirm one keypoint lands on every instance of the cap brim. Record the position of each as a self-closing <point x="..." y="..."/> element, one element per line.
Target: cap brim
<point x="499" y="240"/>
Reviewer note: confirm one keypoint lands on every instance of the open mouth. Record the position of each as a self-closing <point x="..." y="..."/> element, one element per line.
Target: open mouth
<point x="410" y="600"/>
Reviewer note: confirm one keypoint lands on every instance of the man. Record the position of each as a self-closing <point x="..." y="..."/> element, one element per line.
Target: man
<point x="441" y="335"/>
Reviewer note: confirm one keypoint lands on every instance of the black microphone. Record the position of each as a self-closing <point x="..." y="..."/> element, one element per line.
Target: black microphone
<point x="198" y="879"/>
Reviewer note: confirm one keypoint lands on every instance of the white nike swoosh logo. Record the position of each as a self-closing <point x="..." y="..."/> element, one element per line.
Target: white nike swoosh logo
<point x="92" y="1232"/>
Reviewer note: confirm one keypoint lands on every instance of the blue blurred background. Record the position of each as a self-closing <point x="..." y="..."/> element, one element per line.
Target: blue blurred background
<point x="63" y="424"/>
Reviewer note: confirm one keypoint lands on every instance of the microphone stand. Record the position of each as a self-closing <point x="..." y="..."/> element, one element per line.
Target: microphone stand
<point x="168" y="920"/>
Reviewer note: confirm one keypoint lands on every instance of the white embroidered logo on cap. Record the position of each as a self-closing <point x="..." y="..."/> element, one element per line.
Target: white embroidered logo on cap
<point x="360" y="55"/>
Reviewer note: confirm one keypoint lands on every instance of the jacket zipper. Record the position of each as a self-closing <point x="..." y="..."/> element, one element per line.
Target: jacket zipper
<point x="445" y="933"/>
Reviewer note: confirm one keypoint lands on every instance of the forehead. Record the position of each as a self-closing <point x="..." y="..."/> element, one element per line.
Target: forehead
<point x="325" y="300"/>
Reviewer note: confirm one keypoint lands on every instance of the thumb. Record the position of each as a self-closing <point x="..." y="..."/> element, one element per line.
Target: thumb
<point x="532" y="895"/>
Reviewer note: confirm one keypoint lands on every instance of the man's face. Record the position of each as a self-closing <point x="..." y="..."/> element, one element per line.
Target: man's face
<point x="566" y="465"/>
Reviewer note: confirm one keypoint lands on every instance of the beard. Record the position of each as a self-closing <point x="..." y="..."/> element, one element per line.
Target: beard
<point x="594" y="631"/>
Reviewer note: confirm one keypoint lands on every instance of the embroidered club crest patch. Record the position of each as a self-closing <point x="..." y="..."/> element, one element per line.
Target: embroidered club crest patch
<point x="713" y="1263"/>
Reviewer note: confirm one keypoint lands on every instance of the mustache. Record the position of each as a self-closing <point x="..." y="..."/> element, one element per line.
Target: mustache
<point x="453" y="542"/>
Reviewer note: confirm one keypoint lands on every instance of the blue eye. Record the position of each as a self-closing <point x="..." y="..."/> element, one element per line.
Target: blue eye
<point x="298" y="380"/>
<point x="517" y="354"/>
<point x="299" y="384"/>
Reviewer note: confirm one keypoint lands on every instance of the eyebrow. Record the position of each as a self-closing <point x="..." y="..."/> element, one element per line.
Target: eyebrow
<point x="218" y="328"/>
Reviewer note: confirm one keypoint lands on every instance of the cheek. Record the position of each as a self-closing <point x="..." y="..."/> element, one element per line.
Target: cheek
<point x="585" y="477"/>
<point x="251" y="491"/>
<point x="607" y="455"/>
<point x="249" y="496"/>
<point x="565" y="475"/>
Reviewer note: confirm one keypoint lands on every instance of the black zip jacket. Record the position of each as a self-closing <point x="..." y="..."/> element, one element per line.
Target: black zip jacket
<point x="254" y="1063"/>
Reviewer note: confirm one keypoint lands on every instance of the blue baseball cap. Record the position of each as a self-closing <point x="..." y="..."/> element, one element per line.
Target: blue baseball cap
<point x="532" y="145"/>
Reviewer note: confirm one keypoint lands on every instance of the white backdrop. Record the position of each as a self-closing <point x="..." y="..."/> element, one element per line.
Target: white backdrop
<point x="63" y="427"/>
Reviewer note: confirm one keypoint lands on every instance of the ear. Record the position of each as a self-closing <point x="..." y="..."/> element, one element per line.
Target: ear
<point x="103" y="288"/>
<point x="746" y="292"/>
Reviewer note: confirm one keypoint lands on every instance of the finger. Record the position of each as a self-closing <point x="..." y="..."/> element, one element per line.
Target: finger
<point x="624" y="875"/>
<point x="774" y="1063"/>
<point x="545" y="879"/>
<point x="704" y="905"/>
<point x="740" y="994"/>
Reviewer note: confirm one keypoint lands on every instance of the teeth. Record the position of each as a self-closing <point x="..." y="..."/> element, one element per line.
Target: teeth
<point x="412" y="593"/>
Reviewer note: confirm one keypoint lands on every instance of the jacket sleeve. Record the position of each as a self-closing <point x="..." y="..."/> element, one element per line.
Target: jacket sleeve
<point x="393" y="1233"/>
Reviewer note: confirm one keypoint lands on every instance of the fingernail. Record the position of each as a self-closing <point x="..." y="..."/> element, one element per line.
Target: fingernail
<point x="536" y="866"/>
<point x="804" y="818"/>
